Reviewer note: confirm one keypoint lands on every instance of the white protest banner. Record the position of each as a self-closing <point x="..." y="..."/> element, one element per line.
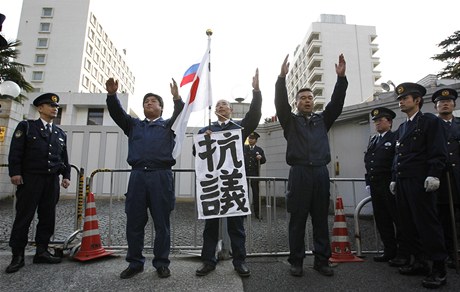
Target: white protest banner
<point x="220" y="175"/>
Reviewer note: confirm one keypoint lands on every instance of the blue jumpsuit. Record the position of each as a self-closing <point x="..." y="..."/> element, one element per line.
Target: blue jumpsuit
<point x="150" y="184"/>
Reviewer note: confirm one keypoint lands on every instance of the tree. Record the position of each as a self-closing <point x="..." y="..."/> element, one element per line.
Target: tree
<point x="11" y="70"/>
<point x="451" y="56"/>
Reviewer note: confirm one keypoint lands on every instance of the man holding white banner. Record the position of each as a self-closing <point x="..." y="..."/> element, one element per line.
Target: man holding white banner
<point x="230" y="176"/>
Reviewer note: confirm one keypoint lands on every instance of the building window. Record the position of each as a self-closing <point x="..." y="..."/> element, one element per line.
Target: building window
<point x="85" y="81"/>
<point x="95" y="116"/>
<point x="89" y="49"/>
<point x="37" y="76"/>
<point x="42" y="43"/>
<point x="94" y="72"/>
<point x="47" y="12"/>
<point x="93" y="20"/>
<point x="45" y="27"/>
<point x="91" y="34"/>
<point x="40" y="58"/>
<point x="88" y="65"/>
<point x="57" y="119"/>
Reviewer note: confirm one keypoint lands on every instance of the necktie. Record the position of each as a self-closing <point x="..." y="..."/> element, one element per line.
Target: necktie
<point x="378" y="139"/>
<point x="48" y="128"/>
<point x="449" y="123"/>
<point x="222" y="125"/>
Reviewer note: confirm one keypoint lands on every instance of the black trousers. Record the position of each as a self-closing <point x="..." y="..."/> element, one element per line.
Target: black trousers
<point x="255" y="195"/>
<point x="421" y="228"/>
<point x="308" y="194"/>
<point x="39" y="192"/>
<point x="385" y="214"/>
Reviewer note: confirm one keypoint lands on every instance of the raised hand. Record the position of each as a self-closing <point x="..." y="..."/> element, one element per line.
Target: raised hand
<point x="255" y="81"/>
<point x="174" y="89"/>
<point x="285" y="67"/>
<point x="111" y="86"/>
<point x="341" y="67"/>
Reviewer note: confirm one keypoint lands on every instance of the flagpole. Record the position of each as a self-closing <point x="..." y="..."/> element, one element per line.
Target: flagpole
<point x="209" y="34"/>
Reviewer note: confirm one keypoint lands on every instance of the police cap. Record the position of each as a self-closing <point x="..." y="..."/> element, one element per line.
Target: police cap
<point x="254" y="135"/>
<point x="382" y="112"/>
<point x="443" y="94"/>
<point x="409" y="88"/>
<point x="49" y="98"/>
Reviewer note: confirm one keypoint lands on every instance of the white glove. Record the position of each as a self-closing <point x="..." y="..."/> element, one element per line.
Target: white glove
<point x="368" y="190"/>
<point x="431" y="184"/>
<point x="393" y="187"/>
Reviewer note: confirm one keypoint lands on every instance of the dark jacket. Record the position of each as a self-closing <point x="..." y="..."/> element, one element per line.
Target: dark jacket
<point x="34" y="151"/>
<point x="452" y="165"/>
<point x="378" y="157"/>
<point x="307" y="140"/>
<point x="251" y="163"/>
<point x="420" y="148"/>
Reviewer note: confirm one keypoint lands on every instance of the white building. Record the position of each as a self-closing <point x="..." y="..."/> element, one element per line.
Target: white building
<point x="314" y="59"/>
<point x="67" y="49"/>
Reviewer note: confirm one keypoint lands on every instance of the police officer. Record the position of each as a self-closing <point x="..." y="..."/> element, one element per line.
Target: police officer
<point x="38" y="155"/>
<point x="378" y="160"/>
<point x="308" y="154"/>
<point x="444" y="103"/>
<point x="151" y="185"/>
<point x="254" y="156"/>
<point x="419" y="161"/>
<point x="235" y="225"/>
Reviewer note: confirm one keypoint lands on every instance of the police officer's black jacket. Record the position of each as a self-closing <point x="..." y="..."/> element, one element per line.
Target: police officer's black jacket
<point x="250" y="161"/>
<point x="452" y="165"/>
<point x="378" y="157"/>
<point x="34" y="151"/>
<point x="307" y="140"/>
<point x="421" y="148"/>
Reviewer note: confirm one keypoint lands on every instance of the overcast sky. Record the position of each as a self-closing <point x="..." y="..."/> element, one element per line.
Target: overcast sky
<point x="163" y="38"/>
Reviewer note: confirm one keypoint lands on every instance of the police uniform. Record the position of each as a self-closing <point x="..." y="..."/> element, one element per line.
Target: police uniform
<point x="452" y="166"/>
<point x="378" y="160"/>
<point x="235" y="225"/>
<point x="39" y="156"/>
<point x="420" y="153"/>
<point x="252" y="165"/>
<point x="151" y="185"/>
<point x="308" y="154"/>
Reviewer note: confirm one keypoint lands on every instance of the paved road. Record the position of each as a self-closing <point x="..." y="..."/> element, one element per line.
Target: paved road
<point x="269" y="273"/>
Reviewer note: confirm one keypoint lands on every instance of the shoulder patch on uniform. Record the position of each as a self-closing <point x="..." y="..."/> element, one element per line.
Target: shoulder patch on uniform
<point x="18" y="134"/>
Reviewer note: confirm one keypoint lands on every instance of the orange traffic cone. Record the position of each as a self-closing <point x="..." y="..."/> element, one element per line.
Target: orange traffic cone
<point x="91" y="246"/>
<point x="341" y="251"/>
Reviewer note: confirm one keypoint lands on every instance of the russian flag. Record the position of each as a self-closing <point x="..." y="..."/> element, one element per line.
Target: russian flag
<point x="199" y="97"/>
<point x="189" y="74"/>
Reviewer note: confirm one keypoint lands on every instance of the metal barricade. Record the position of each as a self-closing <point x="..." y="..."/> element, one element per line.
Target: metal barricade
<point x="264" y="237"/>
<point x="61" y="232"/>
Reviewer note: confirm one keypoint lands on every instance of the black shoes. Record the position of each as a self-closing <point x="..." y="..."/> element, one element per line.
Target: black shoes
<point x="324" y="269"/>
<point x="399" y="261"/>
<point x="383" y="258"/>
<point x="435" y="280"/>
<point x="46" y="258"/>
<point x="296" y="271"/>
<point x="243" y="271"/>
<point x="16" y="263"/>
<point x="204" y="270"/>
<point x="437" y="277"/>
<point x="419" y="267"/>
<point x="163" y="272"/>
<point x="131" y="272"/>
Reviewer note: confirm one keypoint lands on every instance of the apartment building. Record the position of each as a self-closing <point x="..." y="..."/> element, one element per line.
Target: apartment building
<point x="314" y="59"/>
